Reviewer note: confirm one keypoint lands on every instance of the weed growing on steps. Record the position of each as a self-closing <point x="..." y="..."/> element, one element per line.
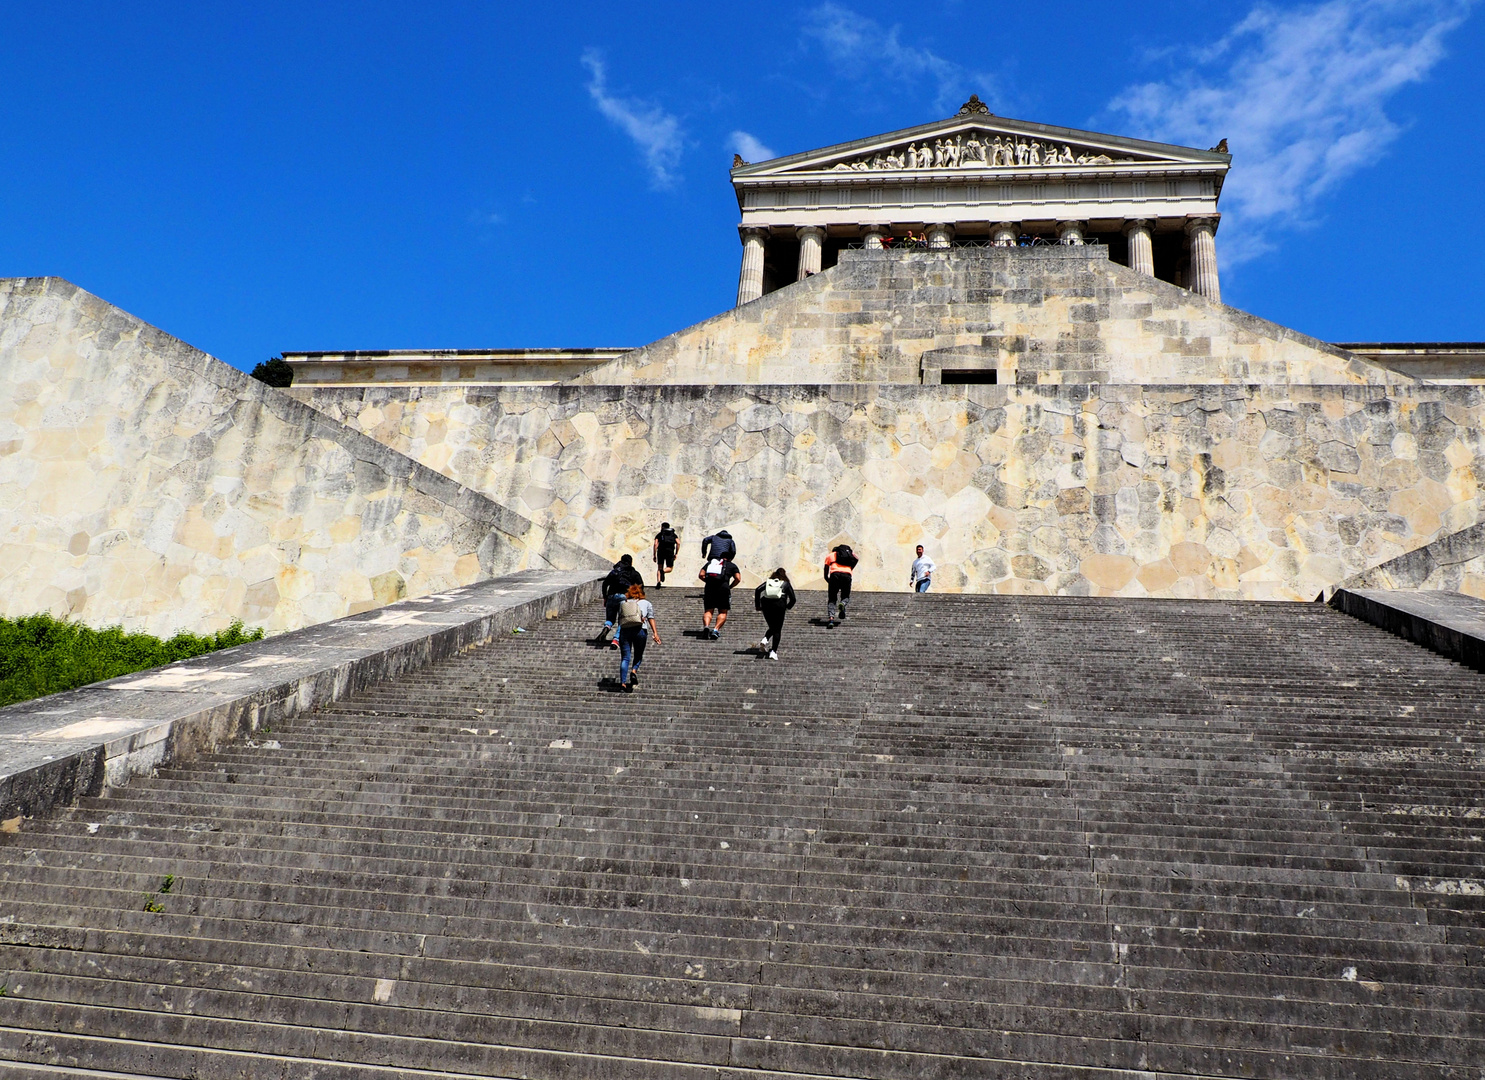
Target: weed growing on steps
<point x="42" y="655"/>
<point x="151" y="904"/>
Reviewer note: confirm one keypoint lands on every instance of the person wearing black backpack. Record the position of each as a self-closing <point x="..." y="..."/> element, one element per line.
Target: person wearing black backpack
<point x="838" y="567"/>
<point x="773" y="598"/>
<point x="615" y="586"/>
<point x="667" y="543"/>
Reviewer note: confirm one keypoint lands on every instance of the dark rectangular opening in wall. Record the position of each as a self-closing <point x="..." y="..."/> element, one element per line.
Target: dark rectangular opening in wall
<point x="780" y="264"/>
<point x="962" y="376"/>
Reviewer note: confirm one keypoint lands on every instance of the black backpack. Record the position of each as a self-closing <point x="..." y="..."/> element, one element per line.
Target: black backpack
<point x="845" y="556"/>
<point x="668" y="538"/>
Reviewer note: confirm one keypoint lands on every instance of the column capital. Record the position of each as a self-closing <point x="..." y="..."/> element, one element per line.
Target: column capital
<point x="1071" y="232"/>
<point x="1198" y="222"/>
<point x="807" y="231"/>
<point x="940" y="235"/>
<point x="752" y="232"/>
<point x="1138" y="223"/>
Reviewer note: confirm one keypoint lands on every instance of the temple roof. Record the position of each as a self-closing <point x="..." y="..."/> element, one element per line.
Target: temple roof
<point x="975" y="140"/>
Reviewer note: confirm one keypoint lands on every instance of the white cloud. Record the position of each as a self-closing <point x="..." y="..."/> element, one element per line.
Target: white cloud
<point x="862" y="49"/>
<point x="656" y="132"/>
<point x="1299" y="94"/>
<point x="749" y="147"/>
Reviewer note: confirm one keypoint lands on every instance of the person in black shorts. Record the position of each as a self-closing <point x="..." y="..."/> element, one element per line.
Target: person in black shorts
<point x="667" y="543"/>
<point x="719" y="576"/>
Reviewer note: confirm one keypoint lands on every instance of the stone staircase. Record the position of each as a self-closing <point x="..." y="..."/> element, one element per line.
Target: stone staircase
<point x="959" y="836"/>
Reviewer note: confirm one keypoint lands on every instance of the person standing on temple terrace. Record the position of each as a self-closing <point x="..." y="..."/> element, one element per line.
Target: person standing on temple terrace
<point x="774" y="597"/>
<point x="719" y="577"/>
<point x="838" y="566"/>
<point x="921" y="576"/>
<point x="615" y="586"/>
<point x="667" y="543"/>
<point x="718" y="546"/>
<point x="635" y="612"/>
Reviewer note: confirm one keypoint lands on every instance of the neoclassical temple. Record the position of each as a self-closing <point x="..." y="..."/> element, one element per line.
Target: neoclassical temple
<point x="977" y="178"/>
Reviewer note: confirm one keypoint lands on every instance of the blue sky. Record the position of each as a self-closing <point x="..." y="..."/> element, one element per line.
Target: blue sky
<point x="255" y="178"/>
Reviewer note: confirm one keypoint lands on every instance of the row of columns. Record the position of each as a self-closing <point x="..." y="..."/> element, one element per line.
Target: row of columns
<point x="1202" y="233"/>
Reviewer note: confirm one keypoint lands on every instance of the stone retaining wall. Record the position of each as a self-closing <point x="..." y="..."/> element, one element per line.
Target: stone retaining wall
<point x="1452" y="563"/>
<point x="56" y="749"/>
<point x="1036" y="315"/>
<point x="143" y="482"/>
<point x="1219" y="491"/>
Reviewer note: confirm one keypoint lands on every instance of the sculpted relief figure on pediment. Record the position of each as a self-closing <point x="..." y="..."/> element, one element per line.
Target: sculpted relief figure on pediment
<point x="975" y="153"/>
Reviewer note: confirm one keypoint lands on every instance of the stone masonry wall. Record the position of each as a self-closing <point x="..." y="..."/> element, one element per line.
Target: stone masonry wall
<point x="1037" y="315"/>
<point x="1188" y="491"/>
<point x="143" y="482"/>
<point x="1454" y="563"/>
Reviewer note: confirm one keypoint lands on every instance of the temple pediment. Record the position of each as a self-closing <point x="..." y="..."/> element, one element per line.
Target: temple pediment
<point x="974" y="141"/>
<point x="979" y="179"/>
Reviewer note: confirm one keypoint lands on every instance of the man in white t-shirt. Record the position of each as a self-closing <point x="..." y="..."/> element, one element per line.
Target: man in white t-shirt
<point x="922" y="576"/>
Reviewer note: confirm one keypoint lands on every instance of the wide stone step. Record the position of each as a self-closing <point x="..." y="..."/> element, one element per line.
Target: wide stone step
<point x="1021" y="837"/>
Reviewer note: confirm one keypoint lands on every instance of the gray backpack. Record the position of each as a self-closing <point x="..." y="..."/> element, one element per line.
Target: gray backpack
<point x="629" y="613"/>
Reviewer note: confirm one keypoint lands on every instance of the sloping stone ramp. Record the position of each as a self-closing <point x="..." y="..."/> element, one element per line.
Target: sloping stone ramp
<point x="957" y="837"/>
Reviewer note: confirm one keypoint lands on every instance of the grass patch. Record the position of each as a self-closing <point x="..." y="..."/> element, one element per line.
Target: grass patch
<point x="41" y="655"/>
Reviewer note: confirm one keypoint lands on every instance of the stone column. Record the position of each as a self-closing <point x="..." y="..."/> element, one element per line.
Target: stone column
<point x="750" y="280"/>
<point x="811" y="244"/>
<point x="1070" y="232"/>
<point x="1202" y="232"/>
<point x="1004" y="233"/>
<point x="871" y="236"/>
<point x="940" y="237"/>
<point x="1141" y="247"/>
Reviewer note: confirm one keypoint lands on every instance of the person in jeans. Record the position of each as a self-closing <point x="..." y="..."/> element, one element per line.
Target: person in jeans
<point x="635" y="613"/>
<point x="921" y="576"/>
<point x="615" y="585"/>
<point x="838" y="566"/>
<point x="773" y="598"/>
<point x="719" y="577"/>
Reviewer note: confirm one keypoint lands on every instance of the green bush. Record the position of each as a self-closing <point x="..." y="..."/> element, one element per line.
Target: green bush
<point x="274" y="372"/>
<point x="41" y="655"/>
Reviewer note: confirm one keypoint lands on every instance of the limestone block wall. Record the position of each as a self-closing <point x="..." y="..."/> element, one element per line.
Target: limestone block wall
<point x="1454" y="562"/>
<point x="1036" y="315"/>
<point x="1185" y="491"/>
<point x="144" y="482"/>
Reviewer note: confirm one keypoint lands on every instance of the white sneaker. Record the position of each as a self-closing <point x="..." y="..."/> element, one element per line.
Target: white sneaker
<point x="773" y="656"/>
<point x="763" y="644"/>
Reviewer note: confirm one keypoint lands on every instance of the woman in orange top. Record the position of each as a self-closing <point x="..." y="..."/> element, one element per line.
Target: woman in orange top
<point x="838" y="566"/>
